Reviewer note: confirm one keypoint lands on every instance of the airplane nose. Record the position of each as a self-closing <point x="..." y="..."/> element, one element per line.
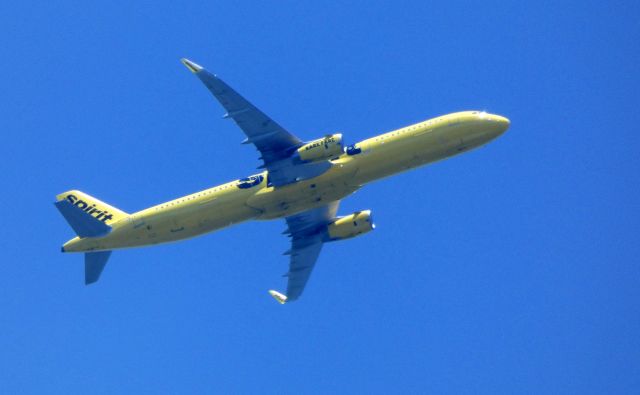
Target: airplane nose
<point x="504" y="123"/>
<point x="495" y="124"/>
<point x="499" y="124"/>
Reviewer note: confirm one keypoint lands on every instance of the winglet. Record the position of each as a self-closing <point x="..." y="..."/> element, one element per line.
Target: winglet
<point x="282" y="299"/>
<point x="193" y="67"/>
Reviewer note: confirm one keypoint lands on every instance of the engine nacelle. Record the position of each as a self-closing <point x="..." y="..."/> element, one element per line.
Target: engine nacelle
<point x="351" y="226"/>
<point x="328" y="147"/>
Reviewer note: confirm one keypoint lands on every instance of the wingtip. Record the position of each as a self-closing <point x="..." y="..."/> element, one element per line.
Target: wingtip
<point x="280" y="298"/>
<point x="193" y="67"/>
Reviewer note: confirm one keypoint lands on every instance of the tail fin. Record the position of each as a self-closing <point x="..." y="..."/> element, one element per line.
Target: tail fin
<point x="88" y="216"/>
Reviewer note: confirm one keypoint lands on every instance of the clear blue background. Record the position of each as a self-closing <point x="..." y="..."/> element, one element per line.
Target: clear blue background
<point x="510" y="269"/>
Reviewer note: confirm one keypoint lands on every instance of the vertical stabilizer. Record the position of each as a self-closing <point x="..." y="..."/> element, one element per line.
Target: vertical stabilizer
<point x="82" y="223"/>
<point x="88" y="216"/>
<point x="96" y="208"/>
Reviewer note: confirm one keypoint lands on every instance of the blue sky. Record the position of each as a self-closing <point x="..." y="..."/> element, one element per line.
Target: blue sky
<point x="511" y="269"/>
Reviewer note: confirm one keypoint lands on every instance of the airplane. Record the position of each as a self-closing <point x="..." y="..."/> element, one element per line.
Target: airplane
<point x="302" y="182"/>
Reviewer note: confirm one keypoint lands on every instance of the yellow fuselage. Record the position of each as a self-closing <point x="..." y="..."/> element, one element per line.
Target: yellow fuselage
<point x="227" y="204"/>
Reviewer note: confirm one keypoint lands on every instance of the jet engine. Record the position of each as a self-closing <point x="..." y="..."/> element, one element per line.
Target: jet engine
<point x="328" y="147"/>
<point x="352" y="225"/>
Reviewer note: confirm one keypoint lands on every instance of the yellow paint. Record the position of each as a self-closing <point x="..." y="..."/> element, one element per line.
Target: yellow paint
<point x="328" y="147"/>
<point x="226" y="204"/>
<point x="351" y="225"/>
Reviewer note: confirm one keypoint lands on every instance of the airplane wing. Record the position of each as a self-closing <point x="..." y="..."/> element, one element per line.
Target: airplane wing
<point x="274" y="143"/>
<point x="307" y="231"/>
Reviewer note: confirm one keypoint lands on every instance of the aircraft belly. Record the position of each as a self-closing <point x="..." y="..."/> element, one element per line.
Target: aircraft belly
<point x="375" y="158"/>
<point x="380" y="160"/>
<point x="383" y="160"/>
<point x="173" y="225"/>
<point x="290" y="199"/>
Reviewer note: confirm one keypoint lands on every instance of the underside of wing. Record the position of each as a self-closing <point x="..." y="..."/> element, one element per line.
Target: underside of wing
<point x="271" y="139"/>
<point x="303" y="258"/>
<point x="308" y="233"/>
<point x="276" y="145"/>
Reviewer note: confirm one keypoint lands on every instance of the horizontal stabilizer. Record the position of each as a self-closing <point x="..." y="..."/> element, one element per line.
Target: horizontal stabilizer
<point x="94" y="263"/>
<point x="83" y="223"/>
<point x="282" y="299"/>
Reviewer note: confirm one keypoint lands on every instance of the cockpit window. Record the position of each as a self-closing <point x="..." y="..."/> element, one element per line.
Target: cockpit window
<point x="353" y="150"/>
